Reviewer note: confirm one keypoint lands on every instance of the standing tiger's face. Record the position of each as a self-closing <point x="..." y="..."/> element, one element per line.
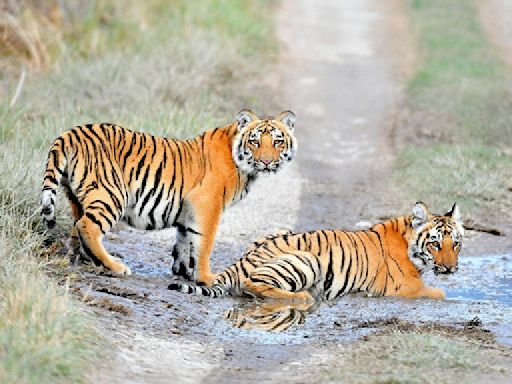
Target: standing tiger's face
<point x="437" y="241"/>
<point x="264" y="145"/>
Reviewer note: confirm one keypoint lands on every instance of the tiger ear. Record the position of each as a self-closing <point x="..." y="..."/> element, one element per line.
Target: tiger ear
<point x="244" y="117"/>
<point x="288" y="118"/>
<point x="420" y="215"/>
<point x="454" y="213"/>
<point x="455" y="216"/>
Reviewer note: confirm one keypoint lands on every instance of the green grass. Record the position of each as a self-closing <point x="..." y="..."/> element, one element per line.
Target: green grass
<point x="458" y="128"/>
<point x="43" y="336"/>
<point x="93" y="28"/>
<point x="474" y="176"/>
<point x="408" y="357"/>
<point x="170" y="68"/>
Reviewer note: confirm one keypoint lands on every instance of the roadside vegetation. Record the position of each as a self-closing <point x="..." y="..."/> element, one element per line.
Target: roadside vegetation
<point x="173" y="68"/>
<point x="417" y="357"/>
<point x="455" y="135"/>
<point x="454" y="142"/>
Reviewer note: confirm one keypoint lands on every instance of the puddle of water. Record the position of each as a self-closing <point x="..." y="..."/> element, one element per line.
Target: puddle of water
<point x="482" y="278"/>
<point x="482" y="288"/>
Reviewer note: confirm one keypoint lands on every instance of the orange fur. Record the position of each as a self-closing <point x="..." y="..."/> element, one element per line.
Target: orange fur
<point x="385" y="260"/>
<point x="110" y="173"/>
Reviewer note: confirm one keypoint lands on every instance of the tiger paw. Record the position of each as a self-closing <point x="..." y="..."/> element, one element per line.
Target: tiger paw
<point x="182" y="267"/>
<point x="119" y="268"/>
<point x="73" y="244"/>
<point x="435" y="293"/>
<point x="206" y="279"/>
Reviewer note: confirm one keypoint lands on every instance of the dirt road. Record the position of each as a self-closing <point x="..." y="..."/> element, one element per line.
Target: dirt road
<point x="344" y="85"/>
<point x="339" y="75"/>
<point x="495" y="17"/>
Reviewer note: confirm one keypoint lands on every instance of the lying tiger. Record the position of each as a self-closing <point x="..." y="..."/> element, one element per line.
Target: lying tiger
<point x="385" y="260"/>
<point x="110" y="173"/>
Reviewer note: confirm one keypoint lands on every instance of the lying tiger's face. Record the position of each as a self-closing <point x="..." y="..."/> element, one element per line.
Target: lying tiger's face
<point x="437" y="241"/>
<point x="264" y="145"/>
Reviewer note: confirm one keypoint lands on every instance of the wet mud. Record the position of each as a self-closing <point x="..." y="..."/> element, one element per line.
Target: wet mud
<point x="481" y="289"/>
<point x="478" y="307"/>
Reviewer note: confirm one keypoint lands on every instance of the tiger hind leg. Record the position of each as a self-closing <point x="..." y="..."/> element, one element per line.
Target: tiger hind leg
<point x="91" y="240"/>
<point x="287" y="277"/>
<point x="268" y="291"/>
<point x="73" y="243"/>
<point x="95" y="222"/>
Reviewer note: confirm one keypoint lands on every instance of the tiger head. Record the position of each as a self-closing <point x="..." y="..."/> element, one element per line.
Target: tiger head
<point x="264" y="145"/>
<point x="436" y="240"/>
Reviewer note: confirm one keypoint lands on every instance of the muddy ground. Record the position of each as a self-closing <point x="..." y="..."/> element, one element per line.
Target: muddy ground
<point x="344" y="83"/>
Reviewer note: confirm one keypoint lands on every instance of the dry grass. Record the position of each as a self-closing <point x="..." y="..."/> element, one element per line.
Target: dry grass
<point x="475" y="176"/>
<point x="456" y="129"/>
<point x="409" y="357"/>
<point x="168" y="68"/>
<point x="43" y="337"/>
<point x="25" y="30"/>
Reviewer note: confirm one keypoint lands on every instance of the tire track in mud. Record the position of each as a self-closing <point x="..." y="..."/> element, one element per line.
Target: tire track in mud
<point x="344" y="84"/>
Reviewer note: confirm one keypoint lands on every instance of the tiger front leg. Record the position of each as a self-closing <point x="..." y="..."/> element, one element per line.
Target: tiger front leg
<point x="433" y="293"/>
<point x="204" y="209"/>
<point x="415" y="288"/>
<point x="184" y="261"/>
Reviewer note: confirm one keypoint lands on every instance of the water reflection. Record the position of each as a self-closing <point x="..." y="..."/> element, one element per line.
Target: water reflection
<point x="483" y="279"/>
<point x="269" y="316"/>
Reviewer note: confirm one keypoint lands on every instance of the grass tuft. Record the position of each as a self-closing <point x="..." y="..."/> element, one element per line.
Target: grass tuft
<point x="408" y="357"/>
<point x="43" y="338"/>
<point x="456" y="132"/>
<point x="473" y="176"/>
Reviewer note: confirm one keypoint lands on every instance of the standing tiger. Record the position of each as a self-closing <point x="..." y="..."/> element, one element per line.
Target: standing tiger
<point x="111" y="173"/>
<point x="385" y="260"/>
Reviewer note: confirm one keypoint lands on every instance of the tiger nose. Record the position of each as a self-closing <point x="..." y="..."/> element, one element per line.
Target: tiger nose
<point x="266" y="161"/>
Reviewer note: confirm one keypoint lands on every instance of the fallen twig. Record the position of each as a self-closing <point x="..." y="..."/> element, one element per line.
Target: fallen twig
<point x="470" y="225"/>
<point x="19" y="87"/>
<point x="473" y="226"/>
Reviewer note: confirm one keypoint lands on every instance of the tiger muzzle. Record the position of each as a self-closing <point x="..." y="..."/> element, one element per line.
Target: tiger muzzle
<point x="445" y="270"/>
